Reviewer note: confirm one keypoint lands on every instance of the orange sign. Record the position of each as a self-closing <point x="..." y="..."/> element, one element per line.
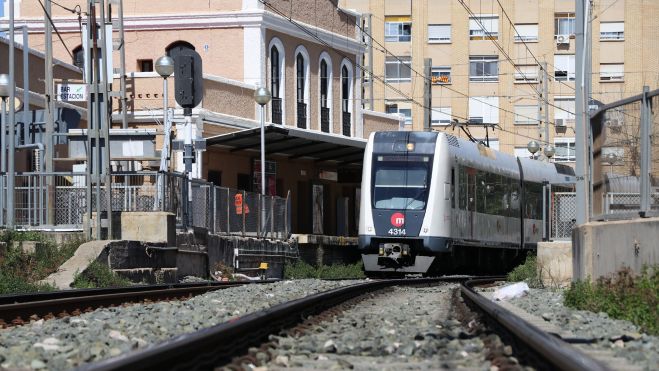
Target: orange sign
<point x="440" y="79"/>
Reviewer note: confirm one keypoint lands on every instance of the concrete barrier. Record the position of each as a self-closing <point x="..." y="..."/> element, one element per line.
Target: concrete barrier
<point x="555" y="263"/>
<point x="602" y="248"/>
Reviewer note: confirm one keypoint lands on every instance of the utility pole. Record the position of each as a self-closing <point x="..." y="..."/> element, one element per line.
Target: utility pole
<point x="50" y="112"/>
<point x="121" y="47"/>
<point x="370" y="61"/>
<point x="545" y="95"/>
<point x="11" y="125"/>
<point x="427" y="93"/>
<point x="583" y="83"/>
<point x="106" y="119"/>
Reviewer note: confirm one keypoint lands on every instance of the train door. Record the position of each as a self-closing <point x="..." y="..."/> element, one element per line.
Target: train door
<point x="471" y="201"/>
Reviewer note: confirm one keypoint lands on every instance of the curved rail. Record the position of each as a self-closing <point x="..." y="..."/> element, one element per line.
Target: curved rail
<point x="217" y="345"/>
<point x="557" y="353"/>
<point x="54" y="303"/>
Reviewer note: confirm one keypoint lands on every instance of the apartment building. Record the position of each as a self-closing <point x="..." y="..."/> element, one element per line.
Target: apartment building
<point x="486" y="57"/>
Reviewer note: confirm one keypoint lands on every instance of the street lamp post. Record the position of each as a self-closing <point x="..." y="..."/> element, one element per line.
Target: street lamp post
<point x="549" y="151"/>
<point x="4" y="94"/>
<point x="165" y="68"/>
<point x="262" y="96"/>
<point x="611" y="158"/>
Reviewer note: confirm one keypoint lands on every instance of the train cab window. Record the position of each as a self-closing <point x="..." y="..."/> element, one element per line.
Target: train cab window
<point x="401" y="182"/>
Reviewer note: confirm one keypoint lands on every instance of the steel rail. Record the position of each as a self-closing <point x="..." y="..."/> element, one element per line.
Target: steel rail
<point x="63" y="294"/>
<point x="45" y="304"/>
<point x="217" y="345"/>
<point x="557" y="353"/>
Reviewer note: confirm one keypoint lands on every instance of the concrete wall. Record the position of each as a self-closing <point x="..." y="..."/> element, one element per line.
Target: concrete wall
<point x="555" y="263"/>
<point x="602" y="248"/>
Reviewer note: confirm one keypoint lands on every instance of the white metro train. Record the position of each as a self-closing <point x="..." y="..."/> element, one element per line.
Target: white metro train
<point x="431" y="201"/>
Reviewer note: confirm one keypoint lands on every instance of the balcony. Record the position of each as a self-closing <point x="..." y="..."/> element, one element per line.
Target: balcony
<point x="276" y="111"/>
<point x="325" y="119"/>
<point x="301" y="115"/>
<point x="346" y="124"/>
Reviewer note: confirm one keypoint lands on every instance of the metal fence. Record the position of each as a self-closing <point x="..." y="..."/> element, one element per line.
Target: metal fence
<point x="625" y="178"/>
<point x="59" y="201"/>
<point x="563" y="215"/>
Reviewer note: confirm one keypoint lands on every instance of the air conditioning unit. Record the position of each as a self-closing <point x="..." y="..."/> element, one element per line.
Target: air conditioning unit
<point x="562" y="39"/>
<point x="560" y="126"/>
<point x="614" y="125"/>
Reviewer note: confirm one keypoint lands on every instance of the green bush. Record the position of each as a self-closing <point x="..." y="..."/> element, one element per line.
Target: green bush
<point x="527" y="272"/>
<point x="98" y="275"/>
<point x="622" y="296"/>
<point x="300" y="270"/>
<point x="21" y="271"/>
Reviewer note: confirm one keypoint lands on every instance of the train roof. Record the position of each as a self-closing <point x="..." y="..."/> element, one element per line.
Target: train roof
<point x="540" y="171"/>
<point x="481" y="157"/>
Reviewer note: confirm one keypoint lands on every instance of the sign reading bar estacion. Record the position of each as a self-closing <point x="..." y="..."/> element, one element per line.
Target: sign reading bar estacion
<point x="72" y="92"/>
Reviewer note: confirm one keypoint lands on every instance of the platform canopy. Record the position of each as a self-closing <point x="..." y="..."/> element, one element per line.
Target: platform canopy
<point x="294" y="143"/>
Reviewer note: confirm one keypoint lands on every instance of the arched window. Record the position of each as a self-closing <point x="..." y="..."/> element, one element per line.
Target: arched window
<point x="325" y="90"/>
<point x="275" y="81"/>
<point x="79" y="57"/>
<point x="174" y="49"/>
<point x="300" y="78"/>
<point x="346" y="97"/>
<point x="302" y="87"/>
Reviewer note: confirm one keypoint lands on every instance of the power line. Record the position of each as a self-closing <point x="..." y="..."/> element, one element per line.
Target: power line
<point x="50" y="20"/>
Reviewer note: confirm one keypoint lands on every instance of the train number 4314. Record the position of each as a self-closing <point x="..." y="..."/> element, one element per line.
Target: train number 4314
<point x="397" y="232"/>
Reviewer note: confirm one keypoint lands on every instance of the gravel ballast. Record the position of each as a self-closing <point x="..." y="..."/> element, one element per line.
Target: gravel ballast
<point x="61" y="344"/>
<point x="404" y="328"/>
<point x="620" y="337"/>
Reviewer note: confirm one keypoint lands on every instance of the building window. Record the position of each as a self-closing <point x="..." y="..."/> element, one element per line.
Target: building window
<point x="324" y="81"/>
<point x="526" y="73"/>
<point x="397" y="69"/>
<point x="484" y="68"/>
<point x="406" y="112"/>
<point x="439" y="33"/>
<point x="275" y="76"/>
<point x="612" y="31"/>
<point x="484" y="110"/>
<point x="564" y="67"/>
<point x="346" y="97"/>
<point x="300" y="77"/>
<point x="440" y="116"/>
<point x="565" y="150"/>
<point x="397" y="29"/>
<point x="79" y="57"/>
<point x="526" y="32"/>
<point x="564" y="24"/>
<point x="145" y="65"/>
<point x="484" y="27"/>
<point x="526" y="115"/>
<point x="345" y="90"/>
<point x="612" y="72"/>
<point x="441" y="75"/>
<point x="564" y="109"/>
<point x="276" y="80"/>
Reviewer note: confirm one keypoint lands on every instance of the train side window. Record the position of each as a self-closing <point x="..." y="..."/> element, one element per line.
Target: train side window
<point x="462" y="188"/>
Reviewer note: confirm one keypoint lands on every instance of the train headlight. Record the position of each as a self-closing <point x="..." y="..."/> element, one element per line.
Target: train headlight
<point x="410" y="146"/>
<point x="381" y="251"/>
<point x="370" y="229"/>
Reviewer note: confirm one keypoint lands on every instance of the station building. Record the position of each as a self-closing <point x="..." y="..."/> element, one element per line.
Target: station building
<point x="306" y="55"/>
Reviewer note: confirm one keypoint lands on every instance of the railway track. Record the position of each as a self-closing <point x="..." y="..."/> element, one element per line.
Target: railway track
<point x="225" y="343"/>
<point x="18" y="309"/>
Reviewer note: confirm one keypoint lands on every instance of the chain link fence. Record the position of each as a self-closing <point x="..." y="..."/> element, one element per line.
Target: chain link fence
<point x="59" y="201"/>
<point x="563" y="215"/>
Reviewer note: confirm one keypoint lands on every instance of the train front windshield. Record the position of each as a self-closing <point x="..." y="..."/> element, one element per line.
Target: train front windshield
<point x="401" y="182"/>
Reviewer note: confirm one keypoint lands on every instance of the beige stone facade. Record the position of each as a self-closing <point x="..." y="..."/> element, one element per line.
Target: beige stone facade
<point x="624" y="59"/>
